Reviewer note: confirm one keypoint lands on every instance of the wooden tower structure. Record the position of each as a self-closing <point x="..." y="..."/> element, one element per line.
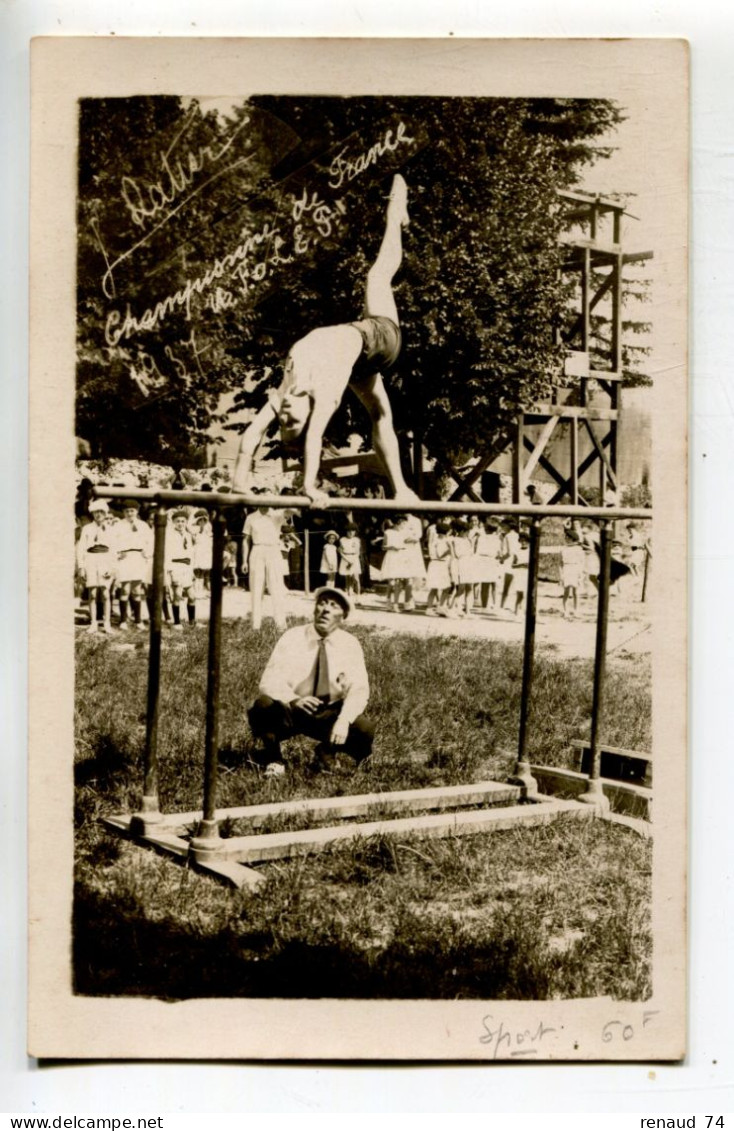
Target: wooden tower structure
<point x="592" y="270"/>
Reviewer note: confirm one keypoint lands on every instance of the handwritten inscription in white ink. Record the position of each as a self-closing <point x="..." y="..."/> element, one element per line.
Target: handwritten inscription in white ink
<point x="346" y="168"/>
<point x="311" y="219"/>
<point x="145" y="199"/>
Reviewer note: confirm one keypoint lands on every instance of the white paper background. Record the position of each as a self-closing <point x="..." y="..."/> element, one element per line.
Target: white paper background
<point x="706" y="1081"/>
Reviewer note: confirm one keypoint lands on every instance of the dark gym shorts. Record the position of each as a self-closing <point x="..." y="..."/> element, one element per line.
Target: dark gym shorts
<point x="382" y="339"/>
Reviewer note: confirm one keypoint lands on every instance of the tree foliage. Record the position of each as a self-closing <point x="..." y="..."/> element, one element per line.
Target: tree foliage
<point x="280" y="239"/>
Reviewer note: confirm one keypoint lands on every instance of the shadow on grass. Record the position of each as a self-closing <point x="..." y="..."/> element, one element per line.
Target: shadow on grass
<point x="116" y="952"/>
<point x="106" y="766"/>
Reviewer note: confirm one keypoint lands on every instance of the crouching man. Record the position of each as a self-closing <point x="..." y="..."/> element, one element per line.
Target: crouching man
<point x="315" y="683"/>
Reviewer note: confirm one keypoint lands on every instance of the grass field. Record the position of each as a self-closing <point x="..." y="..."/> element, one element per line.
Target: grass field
<point x="556" y="911"/>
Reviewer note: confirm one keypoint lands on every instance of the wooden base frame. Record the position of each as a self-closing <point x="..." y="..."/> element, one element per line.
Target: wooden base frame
<point x="432" y="813"/>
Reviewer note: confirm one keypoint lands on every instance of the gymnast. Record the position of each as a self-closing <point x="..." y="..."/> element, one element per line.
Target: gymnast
<point x="322" y="365"/>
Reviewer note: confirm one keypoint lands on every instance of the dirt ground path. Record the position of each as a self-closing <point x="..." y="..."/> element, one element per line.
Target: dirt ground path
<point x="629" y="623"/>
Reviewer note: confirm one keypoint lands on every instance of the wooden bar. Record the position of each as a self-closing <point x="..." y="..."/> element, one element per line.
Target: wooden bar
<point x="277" y="846"/>
<point x="601" y="453"/>
<point x="575" y="462"/>
<point x="362" y="804"/>
<point x="540" y="445"/>
<point x="571" y="412"/>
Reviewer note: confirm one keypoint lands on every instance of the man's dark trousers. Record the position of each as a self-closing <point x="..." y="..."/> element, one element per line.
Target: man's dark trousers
<point x="272" y="721"/>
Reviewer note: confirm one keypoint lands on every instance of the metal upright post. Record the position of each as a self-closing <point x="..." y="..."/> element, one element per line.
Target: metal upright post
<point x="150" y="814"/>
<point x="522" y="767"/>
<point x="594" y="794"/>
<point x="307" y="562"/>
<point x="207" y="838"/>
<point x="645" y="574"/>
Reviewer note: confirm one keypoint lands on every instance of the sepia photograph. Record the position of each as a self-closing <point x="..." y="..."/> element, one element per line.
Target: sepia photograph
<point x="358" y="412"/>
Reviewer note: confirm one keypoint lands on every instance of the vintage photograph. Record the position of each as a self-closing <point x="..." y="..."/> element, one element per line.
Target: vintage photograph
<point x="370" y="445"/>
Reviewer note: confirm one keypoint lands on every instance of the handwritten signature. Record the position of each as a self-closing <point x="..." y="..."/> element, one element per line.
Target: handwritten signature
<point x="512" y="1043"/>
<point x="145" y="199"/>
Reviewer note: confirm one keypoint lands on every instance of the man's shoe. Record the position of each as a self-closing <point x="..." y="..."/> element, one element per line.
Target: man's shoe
<point x="334" y="762"/>
<point x="261" y="759"/>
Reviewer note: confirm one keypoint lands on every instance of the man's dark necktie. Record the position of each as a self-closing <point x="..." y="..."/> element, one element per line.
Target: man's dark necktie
<point x="321" y="681"/>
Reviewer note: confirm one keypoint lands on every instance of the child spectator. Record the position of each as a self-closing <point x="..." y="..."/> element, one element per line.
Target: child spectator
<point x="410" y="565"/>
<point x="203" y="547"/>
<point x="229" y="564"/>
<point x="520" y="569"/>
<point x="96" y="562"/>
<point x="391" y="568"/>
<point x="350" y="561"/>
<point x="438" y="577"/>
<point x="487" y="548"/>
<point x="290" y="551"/>
<point x="180" y="568"/>
<point x="134" y="551"/>
<point x="573" y="562"/>
<point x="465" y="572"/>
<point x="509" y="546"/>
<point x="330" y="557"/>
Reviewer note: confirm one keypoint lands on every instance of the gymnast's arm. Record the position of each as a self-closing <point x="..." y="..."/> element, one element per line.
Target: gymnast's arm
<point x="321" y="414"/>
<point x="251" y="439"/>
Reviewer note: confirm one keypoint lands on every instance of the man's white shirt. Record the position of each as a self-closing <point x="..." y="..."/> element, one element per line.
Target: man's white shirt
<point x="291" y="669"/>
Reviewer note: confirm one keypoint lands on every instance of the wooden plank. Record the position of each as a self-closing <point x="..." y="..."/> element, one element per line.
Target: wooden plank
<point x="540" y="445"/>
<point x="642" y="755"/>
<point x="360" y="804"/>
<point x="583" y="467"/>
<point x="616" y="327"/>
<point x="592" y="199"/>
<point x="633" y="800"/>
<point x="574" y="461"/>
<point x="569" y="411"/>
<point x="602" y="454"/>
<point x="616" y="765"/>
<point x="276" y="846"/>
<point x="161" y="838"/>
<point x="239" y="875"/>
<point x="585" y="243"/>
<point x="462" y="489"/>
<point x="585" y="300"/>
<point x="467" y="481"/>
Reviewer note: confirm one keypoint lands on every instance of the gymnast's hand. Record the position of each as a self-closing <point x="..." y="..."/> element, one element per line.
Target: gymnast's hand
<point x="406" y="496"/>
<point x="319" y="499"/>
